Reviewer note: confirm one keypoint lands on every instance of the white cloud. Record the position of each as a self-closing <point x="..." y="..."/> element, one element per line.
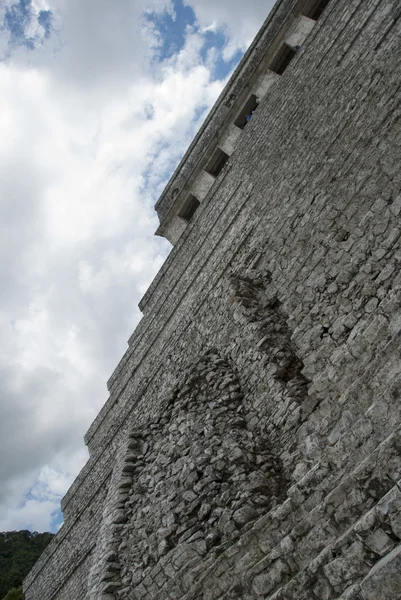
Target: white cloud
<point x="33" y="515"/>
<point x="40" y="5"/>
<point x="240" y="20"/>
<point x="40" y="510"/>
<point x="90" y="130"/>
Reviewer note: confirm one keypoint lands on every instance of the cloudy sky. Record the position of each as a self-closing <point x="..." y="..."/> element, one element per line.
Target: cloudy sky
<point x="99" y="99"/>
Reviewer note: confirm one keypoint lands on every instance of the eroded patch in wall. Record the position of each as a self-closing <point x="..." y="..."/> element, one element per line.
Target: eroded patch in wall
<point x="258" y="310"/>
<point x="193" y="482"/>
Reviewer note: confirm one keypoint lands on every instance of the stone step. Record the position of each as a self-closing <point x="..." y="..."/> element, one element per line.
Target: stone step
<point x="365" y="552"/>
<point x="382" y="582"/>
<point x="349" y="441"/>
<point x="314" y="530"/>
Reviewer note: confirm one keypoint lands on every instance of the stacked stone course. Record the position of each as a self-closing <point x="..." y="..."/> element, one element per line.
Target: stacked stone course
<point x="251" y="445"/>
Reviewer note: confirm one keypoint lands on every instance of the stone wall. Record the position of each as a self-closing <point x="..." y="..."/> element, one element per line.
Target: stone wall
<point x="251" y="444"/>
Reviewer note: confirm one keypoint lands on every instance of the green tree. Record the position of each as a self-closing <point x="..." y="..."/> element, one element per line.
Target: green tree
<point x="14" y="594"/>
<point x="19" y="550"/>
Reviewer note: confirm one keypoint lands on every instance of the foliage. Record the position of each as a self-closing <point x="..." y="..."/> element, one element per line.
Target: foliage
<point x="14" y="594"/>
<point x="19" y="550"/>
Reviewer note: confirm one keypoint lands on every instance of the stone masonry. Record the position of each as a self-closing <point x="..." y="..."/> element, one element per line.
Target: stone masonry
<point x="251" y="445"/>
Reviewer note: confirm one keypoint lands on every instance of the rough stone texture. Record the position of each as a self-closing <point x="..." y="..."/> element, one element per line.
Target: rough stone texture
<point x="251" y="444"/>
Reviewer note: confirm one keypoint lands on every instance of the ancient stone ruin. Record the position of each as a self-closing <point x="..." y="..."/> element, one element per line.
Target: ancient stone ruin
<point x="251" y="445"/>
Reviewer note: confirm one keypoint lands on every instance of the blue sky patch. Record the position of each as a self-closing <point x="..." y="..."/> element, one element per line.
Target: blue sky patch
<point x="45" y="19"/>
<point x="18" y="17"/>
<point x="15" y="20"/>
<point x="171" y="30"/>
<point x="57" y="521"/>
<point x="218" y="39"/>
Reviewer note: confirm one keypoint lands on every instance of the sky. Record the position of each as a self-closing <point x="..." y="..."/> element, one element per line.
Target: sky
<point x="99" y="101"/>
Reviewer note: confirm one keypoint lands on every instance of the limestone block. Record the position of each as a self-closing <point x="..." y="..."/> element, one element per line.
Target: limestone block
<point x="379" y="542"/>
<point x="384" y="579"/>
